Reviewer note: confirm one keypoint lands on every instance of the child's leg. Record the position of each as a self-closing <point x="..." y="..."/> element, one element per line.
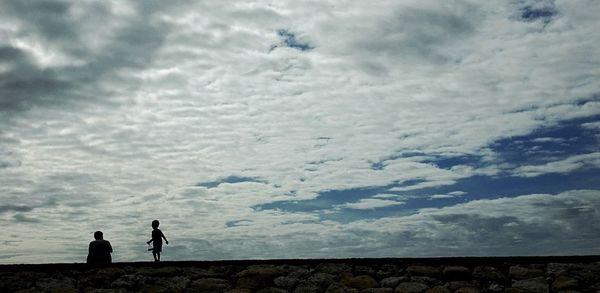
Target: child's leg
<point x="158" y="256"/>
<point x="154" y="254"/>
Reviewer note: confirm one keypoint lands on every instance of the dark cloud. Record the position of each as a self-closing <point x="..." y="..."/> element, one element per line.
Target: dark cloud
<point x="15" y="208"/>
<point x="421" y="32"/>
<point x="23" y="219"/>
<point x="26" y="83"/>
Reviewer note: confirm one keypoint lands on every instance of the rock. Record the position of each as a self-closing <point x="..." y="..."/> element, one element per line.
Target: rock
<point x="239" y="290"/>
<point x="494" y="287"/>
<point x="411" y="287"/>
<point x="95" y="290"/>
<point x="333" y="268"/>
<point x="286" y="282"/>
<point x="209" y="285"/>
<point x="392" y="282"/>
<point x="129" y="282"/>
<point x="489" y="274"/>
<point x="272" y="290"/>
<point x="321" y="280"/>
<point x="200" y="273"/>
<point x="521" y="273"/>
<point x="307" y="287"/>
<point x="260" y="270"/>
<point x="388" y="270"/>
<point x="438" y="289"/>
<point x="299" y="272"/>
<point x="431" y="282"/>
<point x="160" y="272"/>
<point x="427" y="271"/>
<point x="467" y="290"/>
<point x="360" y="282"/>
<point x="255" y="277"/>
<point x="564" y="283"/>
<point x="535" y="285"/>
<point x="365" y="270"/>
<point x="456" y="273"/>
<point x="455" y="285"/>
<point x="339" y="288"/>
<point x="96" y="280"/>
<point x="377" y="290"/>
<point x="57" y="285"/>
<point x="172" y="284"/>
<point x="559" y="269"/>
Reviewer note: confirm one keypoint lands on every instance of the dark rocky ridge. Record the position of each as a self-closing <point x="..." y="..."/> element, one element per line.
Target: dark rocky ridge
<point x="435" y="275"/>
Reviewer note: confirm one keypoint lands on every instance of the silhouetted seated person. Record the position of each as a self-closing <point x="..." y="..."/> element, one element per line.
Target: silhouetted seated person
<point x="100" y="250"/>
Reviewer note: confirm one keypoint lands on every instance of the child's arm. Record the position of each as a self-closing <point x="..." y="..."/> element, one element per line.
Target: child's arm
<point x="163" y="236"/>
<point x="149" y="241"/>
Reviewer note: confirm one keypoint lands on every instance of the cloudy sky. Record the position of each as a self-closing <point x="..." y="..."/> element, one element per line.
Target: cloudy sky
<point x="299" y="129"/>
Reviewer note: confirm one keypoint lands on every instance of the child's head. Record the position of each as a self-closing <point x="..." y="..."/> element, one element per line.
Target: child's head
<point x="155" y="224"/>
<point x="98" y="235"/>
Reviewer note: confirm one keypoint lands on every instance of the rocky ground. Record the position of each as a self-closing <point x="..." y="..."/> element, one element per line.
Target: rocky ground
<point x="461" y="275"/>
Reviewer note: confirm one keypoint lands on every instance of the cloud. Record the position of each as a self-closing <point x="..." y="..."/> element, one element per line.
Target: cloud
<point x="570" y="164"/>
<point x="15" y="208"/>
<point x="369" y="203"/>
<point x="117" y="113"/>
<point x="54" y="52"/>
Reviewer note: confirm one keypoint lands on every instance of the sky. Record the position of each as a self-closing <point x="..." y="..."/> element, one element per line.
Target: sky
<point x="299" y="129"/>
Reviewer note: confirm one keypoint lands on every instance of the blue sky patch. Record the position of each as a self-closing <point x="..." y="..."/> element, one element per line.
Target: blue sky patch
<point x="288" y="39"/>
<point x="545" y="14"/>
<point x="544" y="145"/>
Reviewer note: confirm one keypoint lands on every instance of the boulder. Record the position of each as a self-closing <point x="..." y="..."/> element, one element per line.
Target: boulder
<point x="255" y="277"/>
<point x="431" y="282"/>
<point x="438" y="289"/>
<point x="456" y="273"/>
<point x="272" y="290"/>
<point x="339" y="288"/>
<point x="411" y="287"/>
<point x="535" y="285"/>
<point x="467" y="290"/>
<point x="521" y="273"/>
<point x="321" y="280"/>
<point x="360" y="282"/>
<point x="286" y="282"/>
<point x="209" y="285"/>
<point x="388" y="270"/>
<point x="365" y="270"/>
<point x="455" y="285"/>
<point x="427" y="271"/>
<point x="333" y="268"/>
<point x="57" y="285"/>
<point x="377" y="290"/>
<point x="307" y="287"/>
<point x="487" y="273"/>
<point x="392" y="282"/>
<point x="564" y="283"/>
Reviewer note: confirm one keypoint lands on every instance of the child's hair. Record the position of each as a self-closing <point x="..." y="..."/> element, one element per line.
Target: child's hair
<point x="155" y="224"/>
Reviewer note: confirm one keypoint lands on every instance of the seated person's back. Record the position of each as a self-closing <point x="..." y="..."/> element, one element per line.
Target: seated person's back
<point x="99" y="250"/>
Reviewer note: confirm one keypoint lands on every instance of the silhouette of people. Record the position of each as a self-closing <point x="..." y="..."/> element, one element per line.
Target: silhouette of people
<point x="100" y="250"/>
<point x="157" y="237"/>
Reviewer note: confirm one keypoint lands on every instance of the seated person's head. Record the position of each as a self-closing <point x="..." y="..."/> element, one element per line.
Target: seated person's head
<point x="98" y="235"/>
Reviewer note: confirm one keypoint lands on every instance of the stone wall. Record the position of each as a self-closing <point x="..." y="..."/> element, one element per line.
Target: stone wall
<point x="462" y="275"/>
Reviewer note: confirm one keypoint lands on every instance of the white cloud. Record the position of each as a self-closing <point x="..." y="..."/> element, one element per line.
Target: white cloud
<point x="139" y="102"/>
<point x="369" y="204"/>
<point x="567" y="165"/>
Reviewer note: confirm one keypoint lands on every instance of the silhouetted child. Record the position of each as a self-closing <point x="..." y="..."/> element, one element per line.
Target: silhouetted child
<point x="157" y="237"/>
